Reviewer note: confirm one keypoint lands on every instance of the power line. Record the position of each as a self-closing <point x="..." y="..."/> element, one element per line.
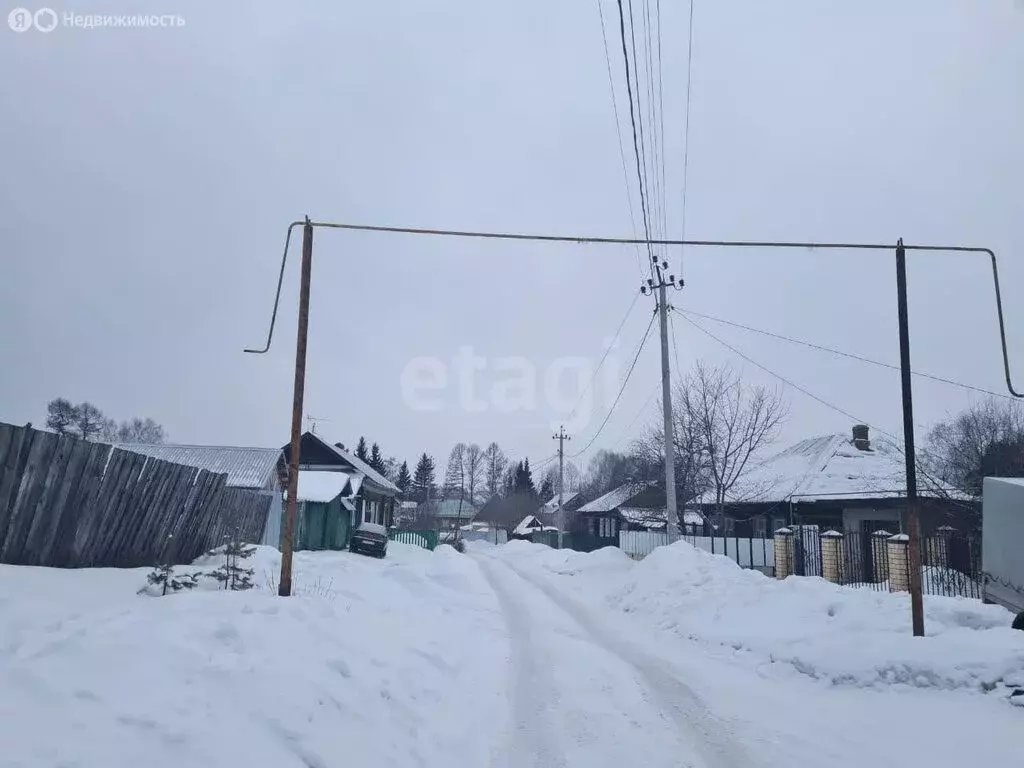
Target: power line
<point x="686" y="132"/>
<point x="618" y="131"/>
<point x="625" y="381"/>
<point x="632" y="120"/>
<point x="840" y="353"/>
<point x="652" y="120"/>
<point x="661" y="127"/>
<point x="646" y="187"/>
<point x="770" y="372"/>
<point x="604" y="356"/>
<point x="580" y="239"/>
<point x="937" y="484"/>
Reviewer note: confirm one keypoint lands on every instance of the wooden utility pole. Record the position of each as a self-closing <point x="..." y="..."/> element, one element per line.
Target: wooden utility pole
<point x="561" y="437"/>
<point x="913" y="523"/>
<point x="284" y="588"/>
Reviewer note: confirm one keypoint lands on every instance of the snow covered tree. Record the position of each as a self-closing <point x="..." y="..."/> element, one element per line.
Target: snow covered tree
<point x="547" y="488"/>
<point x="403" y="479"/>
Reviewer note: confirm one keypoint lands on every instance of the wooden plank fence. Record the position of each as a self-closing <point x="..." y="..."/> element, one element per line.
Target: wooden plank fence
<point x="69" y="503"/>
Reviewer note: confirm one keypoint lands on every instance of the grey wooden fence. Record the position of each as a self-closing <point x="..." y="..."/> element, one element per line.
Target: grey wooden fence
<point x="69" y="503"/>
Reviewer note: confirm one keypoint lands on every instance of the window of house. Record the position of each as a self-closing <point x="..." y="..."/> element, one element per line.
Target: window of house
<point x="778" y="522"/>
<point x="760" y="525"/>
<point x="729" y="526"/>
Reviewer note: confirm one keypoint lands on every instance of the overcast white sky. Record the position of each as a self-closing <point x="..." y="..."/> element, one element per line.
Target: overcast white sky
<point x="149" y="175"/>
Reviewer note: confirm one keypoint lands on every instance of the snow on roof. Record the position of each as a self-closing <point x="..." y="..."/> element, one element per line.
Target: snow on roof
<point x="1010" y="480"/>
<point x="376" y="477"/>
<point x="826" y="467"/>
<point x="552" y="504"/>
<point x="245" y="467"/>
<point x="651" y="517"/>
<point x="692" y="517"/>
<point x="409" y="504"/>
<point x="616" y="497"/>
<point x="322" y="486"/>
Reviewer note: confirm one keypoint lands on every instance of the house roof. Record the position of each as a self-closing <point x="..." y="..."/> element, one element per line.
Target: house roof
<point x="826" y="467"/>
<point x="552" y="504"/>
<point x="323" y="486"/>
<point x="245" y="467"/>
<point x="375" y="477"/>
<point x="506" y="511"/>
<point x="450" y="508"/>
<point x="531" y="523"/>
<point x="651" y="517"/>
<point x="616" y="497"/>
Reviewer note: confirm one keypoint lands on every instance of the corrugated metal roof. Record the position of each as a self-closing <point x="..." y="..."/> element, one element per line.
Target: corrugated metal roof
<point x="245" y="467"/>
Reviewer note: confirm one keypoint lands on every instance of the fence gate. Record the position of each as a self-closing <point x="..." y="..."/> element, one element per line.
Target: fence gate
<point x="807" y="550"/>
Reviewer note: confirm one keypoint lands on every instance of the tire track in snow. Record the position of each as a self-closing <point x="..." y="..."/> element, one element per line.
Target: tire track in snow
<point x="529" y="741"/>
<point x="710" y="736"/>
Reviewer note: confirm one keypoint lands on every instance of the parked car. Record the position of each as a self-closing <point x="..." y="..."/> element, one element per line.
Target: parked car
<point x="370" y="539"/>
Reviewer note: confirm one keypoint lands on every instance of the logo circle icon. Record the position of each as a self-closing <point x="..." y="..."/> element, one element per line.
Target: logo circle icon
<point x="20" y="20"/>
<point x="45" y="20"/>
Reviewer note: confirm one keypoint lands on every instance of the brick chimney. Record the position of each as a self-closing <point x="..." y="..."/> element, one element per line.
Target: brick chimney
<point x="860" y="437"/>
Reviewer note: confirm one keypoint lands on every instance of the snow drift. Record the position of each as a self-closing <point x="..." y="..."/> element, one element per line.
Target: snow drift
<point x="839" y="635"/>
<point x="245" y="678"/>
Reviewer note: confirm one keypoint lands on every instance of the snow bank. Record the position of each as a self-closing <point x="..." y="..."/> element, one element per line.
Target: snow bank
<point x="368" y="664"/>
<point x="840" y="635"/>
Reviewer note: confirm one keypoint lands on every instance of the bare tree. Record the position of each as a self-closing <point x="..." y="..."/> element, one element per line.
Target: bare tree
<point x="573" y="478"/>
<point x="609" y="469"/>
<point x="982" y="441"/>
<point x="61" y="416"/>
<point x="731" y="424"/>
<point x="495" y="463"/>
<point x="138" y="430"/>
<point x="455" y="473"/>
<point x="89" y="420"/>
<point x="473" y="465"/>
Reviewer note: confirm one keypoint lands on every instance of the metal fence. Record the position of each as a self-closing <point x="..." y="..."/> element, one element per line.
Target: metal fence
<point x="755" y="552"/>
<point x="950" y="560"/>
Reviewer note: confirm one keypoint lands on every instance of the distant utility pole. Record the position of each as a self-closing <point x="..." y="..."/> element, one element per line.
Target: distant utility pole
<point x="657" y="281"/>
<point x="561" y="437"/>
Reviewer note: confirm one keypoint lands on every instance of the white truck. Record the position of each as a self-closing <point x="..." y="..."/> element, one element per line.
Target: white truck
<point x="1002" y="544"/>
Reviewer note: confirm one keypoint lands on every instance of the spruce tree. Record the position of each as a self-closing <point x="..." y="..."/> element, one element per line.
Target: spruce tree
<point x="361" y="452"/>
<point x="547" y="489"/>
<point x="377" y="459"/>
<point x="404" y="479"/>
<point x="424" y="479"/>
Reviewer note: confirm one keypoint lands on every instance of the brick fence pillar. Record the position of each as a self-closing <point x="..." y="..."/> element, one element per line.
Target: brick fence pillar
<point x="899" y="562"/>
<point x="783" y="553"/>
<point x="832" y="556"/>
<point x="880" y="556"/>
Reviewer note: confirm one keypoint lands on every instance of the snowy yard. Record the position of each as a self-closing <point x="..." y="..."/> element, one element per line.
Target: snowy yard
<point x="509" y="657"/>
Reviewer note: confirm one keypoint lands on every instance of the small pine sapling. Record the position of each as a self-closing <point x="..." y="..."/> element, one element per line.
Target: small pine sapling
<point x="163" y="576"/>
<point x="232" y="575"/>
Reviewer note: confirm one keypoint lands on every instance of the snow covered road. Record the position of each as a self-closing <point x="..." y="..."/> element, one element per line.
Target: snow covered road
<point x="583" y="697"/>
<point x="506" y="657"/>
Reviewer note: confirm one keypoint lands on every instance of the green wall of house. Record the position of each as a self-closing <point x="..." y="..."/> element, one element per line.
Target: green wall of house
<point x="322" y="526"/>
